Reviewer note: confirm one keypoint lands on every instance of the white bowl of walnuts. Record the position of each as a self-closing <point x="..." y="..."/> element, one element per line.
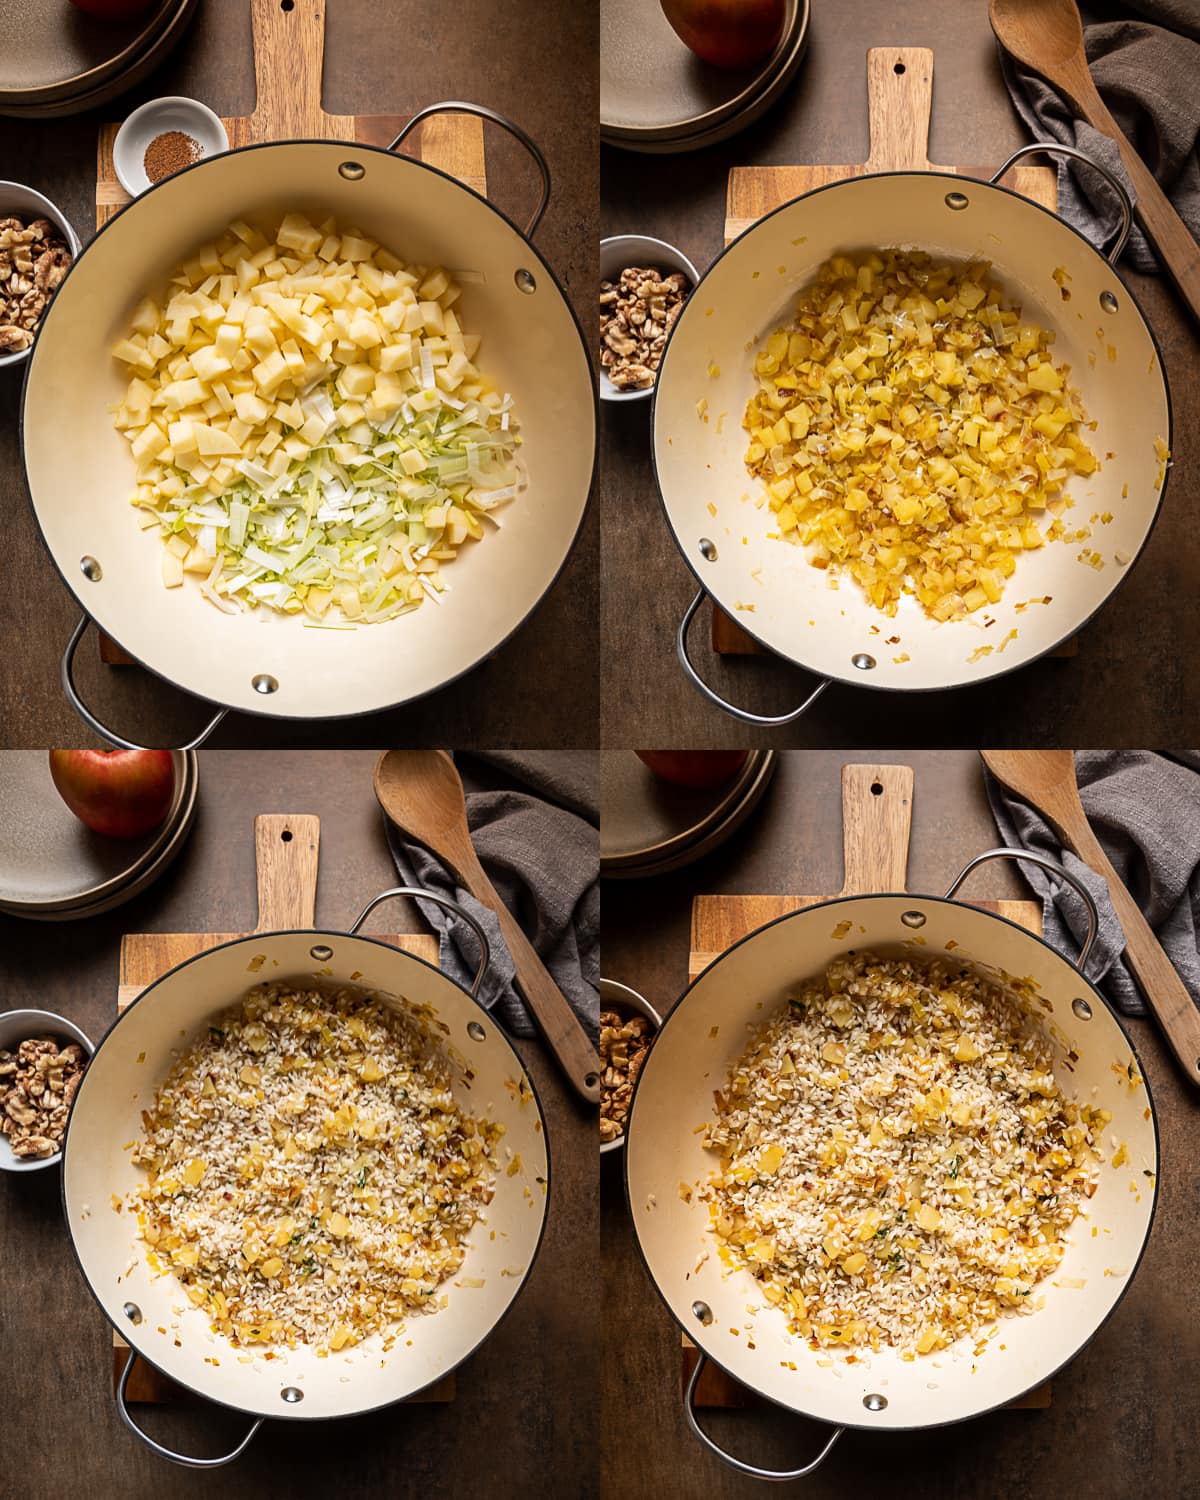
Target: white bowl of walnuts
<point x="644" y="283"/>
<point x="42" y="1059"/>
<point x="37" y="248"/>
<point x="627" y="1025"/>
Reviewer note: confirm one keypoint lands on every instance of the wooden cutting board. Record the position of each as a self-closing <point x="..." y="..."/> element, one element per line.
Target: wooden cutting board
<point x="286" y="849"/>
<point x="899" y="105"/>
<point x="289" y="52"/>
<point x="876" y="824"/>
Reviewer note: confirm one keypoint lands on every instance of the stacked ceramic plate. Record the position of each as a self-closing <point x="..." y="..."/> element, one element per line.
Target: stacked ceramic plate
<point x="57" y="60"/>
<point x="650" y="827"/>
<point x="53" y="869"/>
<point x="656" y="95"/>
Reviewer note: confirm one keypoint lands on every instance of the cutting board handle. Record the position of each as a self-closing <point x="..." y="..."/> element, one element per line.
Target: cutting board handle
<point x="286" y="847"/>
<point x="876" y="823"/>
<point x="289" y="55"/>
<point x="899" y="105"/>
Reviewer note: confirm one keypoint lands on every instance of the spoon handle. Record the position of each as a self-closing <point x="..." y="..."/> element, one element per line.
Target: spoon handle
<point x="555" y="1019"/>
<point x="1164" y="990"/>
<point x="1166" y="231"/>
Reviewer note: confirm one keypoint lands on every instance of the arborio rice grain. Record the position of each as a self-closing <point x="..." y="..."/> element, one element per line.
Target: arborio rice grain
<point x="310" y="1177"/>
<point x="898" y="1164"/>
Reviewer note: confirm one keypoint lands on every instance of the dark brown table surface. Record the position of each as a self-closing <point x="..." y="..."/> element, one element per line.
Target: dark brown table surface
<point x="379" y="59"/>
<point x="1131" y="683"/>
<point x="523" y="1418"/>
<point x="1122" y="1419"/>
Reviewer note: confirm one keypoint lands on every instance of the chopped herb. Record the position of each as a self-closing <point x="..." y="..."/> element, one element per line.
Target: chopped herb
<point x="362" y="1178"/>
<point x="1021" y="1136"/>
<point x="954" y="1166"/>
<point x="880" y="1233"/>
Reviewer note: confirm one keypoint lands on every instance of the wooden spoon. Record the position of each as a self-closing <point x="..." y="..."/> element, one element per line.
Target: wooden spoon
<point x="1046" y="35"/>
<point x="1046" y="780"/>
<point x="421" y="792"/>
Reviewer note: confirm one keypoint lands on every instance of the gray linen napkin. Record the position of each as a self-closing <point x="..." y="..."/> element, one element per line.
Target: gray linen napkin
<point x="1145" y="61"/>
<point x="536" y="831"/>
<point x="1145" y="810"/>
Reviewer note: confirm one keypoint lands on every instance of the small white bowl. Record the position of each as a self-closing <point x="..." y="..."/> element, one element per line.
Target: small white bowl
<point x="618" y="254"/>
<point x="157" y="118"/>
<point x="621" y="997"/>
<point x="16" y="1026"/>
<point x="26" y="204"/>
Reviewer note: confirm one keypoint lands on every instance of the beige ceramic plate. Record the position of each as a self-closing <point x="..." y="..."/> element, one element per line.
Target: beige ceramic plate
<point x="84" y="83"/>
<point x="655" y="94"/>
<point x="52" y="867"/>
<point x="647" y="824"/>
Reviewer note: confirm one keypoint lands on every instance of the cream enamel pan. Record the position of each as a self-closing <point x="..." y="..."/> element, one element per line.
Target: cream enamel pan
<point x="797" y="612"/>
<point x="80" y="473"/>
<point x="1094" y="1061"/>
<point x="489" y="1079"/>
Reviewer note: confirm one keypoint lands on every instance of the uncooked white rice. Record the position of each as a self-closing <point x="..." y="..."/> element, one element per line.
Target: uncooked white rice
<point x="898" y="1163"/>
<point x="310" y="1176"/>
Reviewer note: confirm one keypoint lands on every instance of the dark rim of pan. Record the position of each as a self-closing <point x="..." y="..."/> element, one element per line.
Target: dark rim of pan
<point x="289" y="1413"/>
<point x="908" y="897"/>
<point x="862" y="681"/>
<point x="344" y="148"/>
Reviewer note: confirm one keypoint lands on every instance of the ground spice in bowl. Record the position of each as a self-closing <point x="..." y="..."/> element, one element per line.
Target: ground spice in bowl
<point x="169" y="152"/>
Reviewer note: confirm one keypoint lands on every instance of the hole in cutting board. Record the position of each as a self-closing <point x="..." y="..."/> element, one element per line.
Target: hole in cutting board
<point x="899" y="68"/>
<point x="877" y="789"/>
<point x="286" y="835"/>
<point x="287" y="4"/>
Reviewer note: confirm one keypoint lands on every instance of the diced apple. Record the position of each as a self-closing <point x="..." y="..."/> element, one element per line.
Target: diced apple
<point x="270" y="373"/>
<point x="296" y="233"/>
<point x="149" y="443"/>
<point x="357" y="380"/>
<point x="172" y="570"/>
<point x="182" y="435"/>
<point x="211" y="441"/>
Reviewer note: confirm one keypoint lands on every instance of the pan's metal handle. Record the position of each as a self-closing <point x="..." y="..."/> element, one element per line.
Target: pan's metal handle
<point x="1052" y="867"/>
<point x="182" y="1459"/>
<point x="775" y="1476"/>
<point x="90" y="719"/>
<point x="743" y="714"/>
<point x="418" y="893"/>
<point x="458" y="106"/>
<point x="1052" y="148"/>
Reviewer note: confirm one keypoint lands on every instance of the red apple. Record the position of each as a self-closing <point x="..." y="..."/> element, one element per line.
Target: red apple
<point x="727" y="33"/>
<point x="119" y="793"/>
<point x="694" y="768"/>
<point x="113" y="10"/>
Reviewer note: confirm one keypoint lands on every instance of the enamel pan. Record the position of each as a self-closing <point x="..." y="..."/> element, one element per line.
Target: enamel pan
<point x="80" y="472"/>
<point x="708" y="1030"/>
<point x="489" y="1080"/>
<point x="824" y="623"/>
